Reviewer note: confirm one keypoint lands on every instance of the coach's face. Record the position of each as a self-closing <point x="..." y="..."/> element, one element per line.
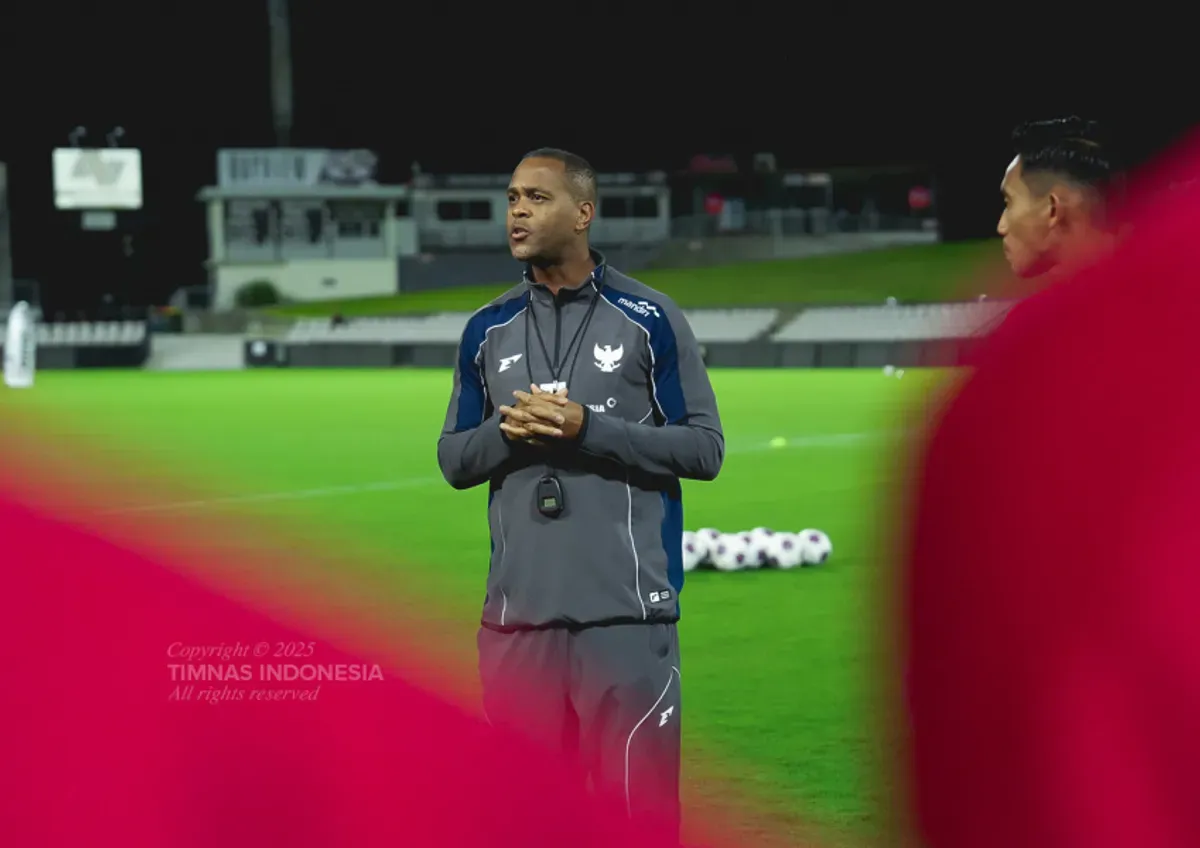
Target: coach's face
<point x="544" y="216"/>
<point x="1026" y="223"/>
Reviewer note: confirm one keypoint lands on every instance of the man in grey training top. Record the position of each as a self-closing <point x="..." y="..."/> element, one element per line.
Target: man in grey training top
<point x="580" y="397"/>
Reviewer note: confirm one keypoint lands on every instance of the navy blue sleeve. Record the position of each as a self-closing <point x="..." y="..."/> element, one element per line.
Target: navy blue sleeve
<point x="685" y="439"/>
<point x="472" y="446"/>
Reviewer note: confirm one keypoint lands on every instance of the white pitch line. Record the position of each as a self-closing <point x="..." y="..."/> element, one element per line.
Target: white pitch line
<point x="830" y="440"/>
<point x="292" y="495"/>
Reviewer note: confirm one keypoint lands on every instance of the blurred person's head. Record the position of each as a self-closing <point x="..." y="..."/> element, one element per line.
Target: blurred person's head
<point x="1055" y="194"/>
<point x="551" y="204"/>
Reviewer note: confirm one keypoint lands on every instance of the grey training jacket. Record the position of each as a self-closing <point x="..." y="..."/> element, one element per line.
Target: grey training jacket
<point x="615" y="553"/>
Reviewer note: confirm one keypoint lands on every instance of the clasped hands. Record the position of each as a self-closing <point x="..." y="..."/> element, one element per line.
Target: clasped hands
<point x="541" y="414"/>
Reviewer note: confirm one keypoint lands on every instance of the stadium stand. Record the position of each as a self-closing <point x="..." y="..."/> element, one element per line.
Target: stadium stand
<point x="90" y="344"/>
<point x="729" y="337"/>
<point x="892" y="323"/>
<point x="709" y="325"/>
<point x="927" y="335"/>
<point x="441" y="328"/>
<point x="94" y="333"/>
<point x="730" y="325"/>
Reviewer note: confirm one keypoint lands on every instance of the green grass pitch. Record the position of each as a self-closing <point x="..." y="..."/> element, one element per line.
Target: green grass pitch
<point x="921" y="273"/>
<point x="778" y="667"/>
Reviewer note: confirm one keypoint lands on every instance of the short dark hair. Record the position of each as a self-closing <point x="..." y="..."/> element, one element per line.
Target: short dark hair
<point x="1070" y="148"/>
<point x="580" y="174"/>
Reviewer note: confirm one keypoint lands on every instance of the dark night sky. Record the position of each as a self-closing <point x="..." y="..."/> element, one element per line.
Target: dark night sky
<point x="186" y="78"/>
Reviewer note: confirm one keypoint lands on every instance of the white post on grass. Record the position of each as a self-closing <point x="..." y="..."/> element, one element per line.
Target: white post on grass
<point x="20" y="348"/>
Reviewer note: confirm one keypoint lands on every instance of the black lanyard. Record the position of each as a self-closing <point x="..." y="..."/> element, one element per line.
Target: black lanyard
<point x="550" y="497"/>
<point x="556" y="368"/>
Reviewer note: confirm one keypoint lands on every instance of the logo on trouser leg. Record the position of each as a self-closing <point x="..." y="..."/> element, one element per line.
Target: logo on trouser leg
<point x="664" y="715"/>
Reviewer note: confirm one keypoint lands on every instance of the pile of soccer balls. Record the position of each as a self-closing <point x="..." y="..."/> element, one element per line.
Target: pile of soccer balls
<point x="761" y="547"/>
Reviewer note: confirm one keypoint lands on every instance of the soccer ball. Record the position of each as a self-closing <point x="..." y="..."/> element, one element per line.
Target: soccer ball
<point x="815" y="547"/>
<point x="695" y="550"/>
<point x="706" y="540"/>
<point x="785" y="551"/>
<point x="757" y="546"/>
<point x="758" y="536"/>
<point x="729" y="553"/>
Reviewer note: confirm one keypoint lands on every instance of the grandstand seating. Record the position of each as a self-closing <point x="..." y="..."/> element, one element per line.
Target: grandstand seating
<point x="710" y="326"/>
<point x="892" y="323"/>
<point x="88" y="333"/>
<point x="444" y="327"/>
<point x="730" y="325"/>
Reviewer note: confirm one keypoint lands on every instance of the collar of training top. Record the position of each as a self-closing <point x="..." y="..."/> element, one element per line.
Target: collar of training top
<point x="588" y="286"/>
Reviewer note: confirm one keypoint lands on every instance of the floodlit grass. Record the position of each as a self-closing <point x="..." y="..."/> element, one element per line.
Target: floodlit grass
<point x="780" y="669"/>
<point x="922" y="273"/>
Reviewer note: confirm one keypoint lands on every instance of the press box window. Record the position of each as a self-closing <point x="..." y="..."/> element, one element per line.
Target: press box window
<point x="357" y="219"/>
<point x="262" y="225"/>
<point x="464" y="210"/>
<point x="316" y="225"/>
<point x="614" y="207"/>
<point x="248" y="223"/>
<point x="358" y="229"/>
<point x="638" y="206"/>
<point x="644" y="206"/>
<point x="449" y="210"/>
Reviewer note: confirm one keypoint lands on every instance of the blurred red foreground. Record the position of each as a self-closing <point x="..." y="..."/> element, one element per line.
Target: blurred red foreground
<point x="1052" y="652"/>
<point x="1053" y="597"/>
<point x="96" y="751"/>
